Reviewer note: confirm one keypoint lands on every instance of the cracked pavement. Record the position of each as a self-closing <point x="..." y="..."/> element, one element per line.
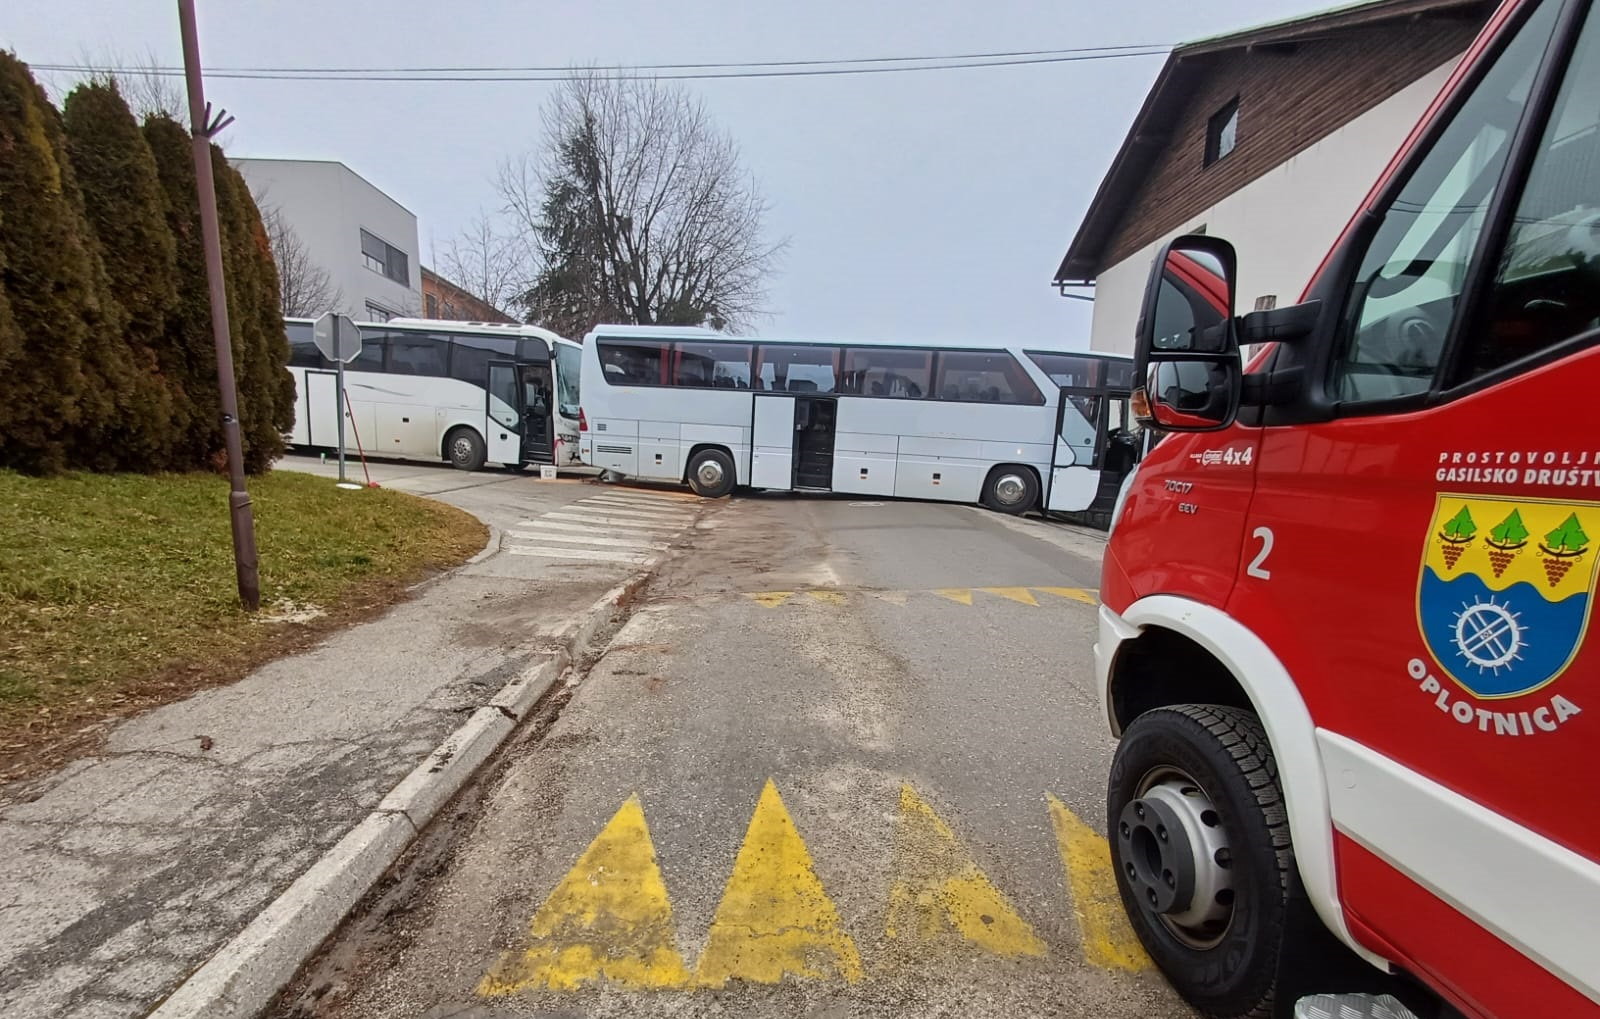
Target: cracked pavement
<point x="126" y="870"/>
<point x="824" y="769"/>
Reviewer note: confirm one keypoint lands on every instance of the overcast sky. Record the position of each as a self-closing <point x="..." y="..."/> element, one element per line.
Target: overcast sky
<point x="919" y="205"/>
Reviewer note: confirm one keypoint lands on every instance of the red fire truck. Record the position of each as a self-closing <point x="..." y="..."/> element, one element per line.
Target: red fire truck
<point x="1345" y="635"/>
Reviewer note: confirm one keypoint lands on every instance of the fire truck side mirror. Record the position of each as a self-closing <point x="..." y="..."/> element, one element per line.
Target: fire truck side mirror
<point x="1187" y="367"/>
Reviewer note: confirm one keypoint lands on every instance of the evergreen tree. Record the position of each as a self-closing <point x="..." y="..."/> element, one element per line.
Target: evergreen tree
<point x="126" y="210"/>
<point x="10" y="337"/>
<point x="111" y="380"/>
<point x="47" y="279"/>
<point x="187" y="337"/>
<point x="274" y="335"/>
<point x="246" y="295"/>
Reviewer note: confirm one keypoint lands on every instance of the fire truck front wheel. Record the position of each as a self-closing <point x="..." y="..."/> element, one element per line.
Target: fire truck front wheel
<point x="1200" y="844"/>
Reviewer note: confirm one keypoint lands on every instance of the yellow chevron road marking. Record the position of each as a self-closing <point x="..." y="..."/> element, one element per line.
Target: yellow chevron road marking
<point x="1016" y="594"/>
<point x="774" y="917"/>
<point x="1074" y="593"/>
<point x="1108" y="941"/>
<point x="608" y="920"/>
<point x="939" y="890"/>
<point x="771" y="599"/>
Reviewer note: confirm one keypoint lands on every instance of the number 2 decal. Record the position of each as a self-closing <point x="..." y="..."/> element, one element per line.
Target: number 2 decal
<point x="1256" y="569"/>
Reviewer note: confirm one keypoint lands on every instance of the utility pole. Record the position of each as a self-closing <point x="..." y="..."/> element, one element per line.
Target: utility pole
<point x="203" y="128"/>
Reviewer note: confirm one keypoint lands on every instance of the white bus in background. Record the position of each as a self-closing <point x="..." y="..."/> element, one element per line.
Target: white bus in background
<point x="1012" y="429"/>
<point x="425" y="389"/>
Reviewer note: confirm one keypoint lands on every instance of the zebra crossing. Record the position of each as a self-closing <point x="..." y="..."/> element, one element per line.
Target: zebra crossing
<point x="625" y="526"/>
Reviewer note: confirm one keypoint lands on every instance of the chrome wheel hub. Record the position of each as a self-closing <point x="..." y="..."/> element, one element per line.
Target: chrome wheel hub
<point x="709" y="474"/>
<point x="1010" y="488"/>
<point x="1175" y="857"/>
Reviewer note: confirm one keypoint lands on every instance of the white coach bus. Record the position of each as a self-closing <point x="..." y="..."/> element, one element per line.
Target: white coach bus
<point x="1012" y="429"/>
<point x="424" y="389"/>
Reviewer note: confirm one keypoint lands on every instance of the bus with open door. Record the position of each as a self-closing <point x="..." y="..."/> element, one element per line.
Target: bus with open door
<point x="1012" y="429"/>
<point x="466" y="392"/>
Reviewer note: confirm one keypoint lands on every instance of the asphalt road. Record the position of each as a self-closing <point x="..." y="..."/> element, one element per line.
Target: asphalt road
<point x="845" y="759"/>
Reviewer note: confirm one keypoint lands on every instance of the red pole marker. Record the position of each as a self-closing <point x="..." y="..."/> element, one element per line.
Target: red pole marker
<point x="362" y="453"/>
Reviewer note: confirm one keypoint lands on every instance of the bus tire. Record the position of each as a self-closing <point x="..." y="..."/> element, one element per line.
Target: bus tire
<point x="1011" y="488"/>
<point x="464" y="448"/>
<point x="1201" y="850"/>
<point x="711" y="474"/>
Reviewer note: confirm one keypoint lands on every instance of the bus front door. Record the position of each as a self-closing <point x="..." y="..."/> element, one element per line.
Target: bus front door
<point x="1074" y="481"/>
<point x="772" y="438"/>
<point x="816" y="418"/>
<point x="503" y="427"/>
<point x="538" y="422"/>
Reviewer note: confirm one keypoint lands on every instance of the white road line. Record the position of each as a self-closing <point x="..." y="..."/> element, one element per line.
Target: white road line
<point x="595" y="555"/>
<point x="645" y="497"/>
<point x="681" y="518"/>
<point x="650" y="504"/>
<point x="581" y="518"/>
<point x="643" y="500"/>
<point x="610" y="532"/>
<point x="583" y="539"/>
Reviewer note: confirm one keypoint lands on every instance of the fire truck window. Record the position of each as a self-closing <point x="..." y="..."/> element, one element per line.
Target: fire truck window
<point x="1547" y="285"/>
<point x="1404" y="295"/>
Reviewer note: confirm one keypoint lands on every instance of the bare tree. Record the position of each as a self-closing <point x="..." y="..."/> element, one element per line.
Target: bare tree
<point x="638" y="211"/>
<point x="305" y="287"/>
<point x="492" y="263"/>
<point x="150" y="89"/>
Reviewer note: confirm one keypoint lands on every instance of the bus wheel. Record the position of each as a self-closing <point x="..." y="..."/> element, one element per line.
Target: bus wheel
<point x="464" y="449"/>
<point x="1200" y="846"/>
<point x="711" y="473"/>
<point x="1011" y="489"/>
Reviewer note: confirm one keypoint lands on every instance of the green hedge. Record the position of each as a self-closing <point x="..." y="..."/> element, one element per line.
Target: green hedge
<point x="106" y="355"/>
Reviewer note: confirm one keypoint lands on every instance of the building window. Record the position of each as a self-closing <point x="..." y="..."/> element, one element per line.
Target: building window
<point x="383" y="257"/>
<point x="1222" y="131"/>
<point x="378" y="313"/>
<point x="433" y="306"/>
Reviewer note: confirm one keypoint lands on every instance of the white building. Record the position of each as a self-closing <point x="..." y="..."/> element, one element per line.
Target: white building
<point x="1268" y="138"/>
<point x="365" y="240"/>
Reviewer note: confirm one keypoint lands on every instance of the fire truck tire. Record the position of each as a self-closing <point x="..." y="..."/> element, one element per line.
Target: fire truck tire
<point x="1200" y="845"/>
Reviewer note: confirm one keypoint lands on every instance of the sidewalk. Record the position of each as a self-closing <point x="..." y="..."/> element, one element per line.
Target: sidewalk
<point x="123" y="873"/>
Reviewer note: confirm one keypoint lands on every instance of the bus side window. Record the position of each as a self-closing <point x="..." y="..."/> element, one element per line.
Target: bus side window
<point x="1546" y="288"/>
<point x="303" y="352"/>
<point x="628" y="362"/>
<point x="373" y="344"/>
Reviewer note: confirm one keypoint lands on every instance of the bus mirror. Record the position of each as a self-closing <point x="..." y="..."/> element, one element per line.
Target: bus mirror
<point x="1186" y="359"/>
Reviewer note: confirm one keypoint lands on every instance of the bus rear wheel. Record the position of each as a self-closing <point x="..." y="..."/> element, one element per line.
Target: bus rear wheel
<point x="464" y="449"/>
<point x="711" y="474"/>
<point x="1200" y="846"/>
<point x="1011" y="489"/>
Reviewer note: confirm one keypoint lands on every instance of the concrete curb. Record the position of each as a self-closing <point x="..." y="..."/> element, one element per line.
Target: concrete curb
<point x="246" y="972"/>
<point x="241" y="979"/>
<point x="490" y="547"/>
